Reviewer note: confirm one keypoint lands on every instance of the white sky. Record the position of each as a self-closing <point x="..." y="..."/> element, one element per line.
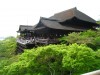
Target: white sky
<point x="22" y="12"/>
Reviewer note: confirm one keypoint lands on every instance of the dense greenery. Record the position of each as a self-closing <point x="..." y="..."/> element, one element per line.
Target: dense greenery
<point x="78" y="53"/>
<point x="98" y="21"/>
<point x="55" y="60"/>
<point x="7" y="51"/>
<point x="90" y="38"/>
<point x="7" y="46"/>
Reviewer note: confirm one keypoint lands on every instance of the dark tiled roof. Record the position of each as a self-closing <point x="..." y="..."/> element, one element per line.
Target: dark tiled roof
<point x="57" y="25"/>
<point x="26" y="27"/>
<point x="43" y="27"/>
<point x="68" y="14"/>
<point x="63" y="21"/>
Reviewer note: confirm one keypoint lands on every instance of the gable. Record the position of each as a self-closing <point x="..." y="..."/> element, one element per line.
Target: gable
<point x="69" y="14"/>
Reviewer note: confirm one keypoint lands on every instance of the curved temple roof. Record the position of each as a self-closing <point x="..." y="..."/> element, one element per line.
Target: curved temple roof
<point x="56" y="25"/>
<point x="25" y="27"/>
<point x="68" y="14"/>
<point x="61" y="20"/>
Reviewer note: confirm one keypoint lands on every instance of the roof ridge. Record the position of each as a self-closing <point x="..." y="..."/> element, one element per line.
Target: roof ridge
<point x="43" y="18"/>
<point x="66" y="10"/>
<point x="74" y="9"/>
<point x="26" y="25"/>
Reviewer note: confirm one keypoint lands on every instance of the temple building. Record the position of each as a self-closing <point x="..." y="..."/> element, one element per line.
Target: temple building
<point x="47" y="30"/>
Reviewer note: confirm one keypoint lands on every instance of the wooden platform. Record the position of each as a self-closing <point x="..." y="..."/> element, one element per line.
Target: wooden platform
<point x="28" y="44"/>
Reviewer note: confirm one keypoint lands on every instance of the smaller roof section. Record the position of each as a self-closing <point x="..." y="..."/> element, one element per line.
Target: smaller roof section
<point x="57" y="25"/>
<point x="25" y="27"/>
<point x="70" y="13"/>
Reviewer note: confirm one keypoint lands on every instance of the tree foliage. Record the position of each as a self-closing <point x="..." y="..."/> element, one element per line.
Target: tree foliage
<point x="7" y="47"/>
<point x="54" y="60"/>
<point x="79" y="58"/>
<point x="7" y="51"/>
<point x="89" y="37"/>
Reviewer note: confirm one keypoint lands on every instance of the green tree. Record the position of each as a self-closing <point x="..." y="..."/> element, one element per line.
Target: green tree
<point x="39" y="61"/>
<point x="89" y="37"/>
<point x="7" y="49"/>
<point x="79" y="58"/>
<point x="55" y="60"/>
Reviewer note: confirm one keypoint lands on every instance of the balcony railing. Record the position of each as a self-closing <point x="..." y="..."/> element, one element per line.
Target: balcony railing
<point x="25" y="41"/>
<point x="36" y="40"/>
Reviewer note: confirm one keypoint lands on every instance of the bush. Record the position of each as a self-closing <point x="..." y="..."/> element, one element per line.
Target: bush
<point x="89" y="37"/>
<point x="54" y="60"/>
<point x="79" y="58"/>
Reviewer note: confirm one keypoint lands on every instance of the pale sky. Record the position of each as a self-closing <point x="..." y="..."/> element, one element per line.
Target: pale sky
<point x="22" y="12"/>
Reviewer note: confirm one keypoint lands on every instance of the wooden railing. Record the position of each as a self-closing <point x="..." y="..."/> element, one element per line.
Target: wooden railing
<point x="37" y="40"/>
<point x="43" y="41"/>
<point x="46" y="41"/>
<point x="25" y="41"/>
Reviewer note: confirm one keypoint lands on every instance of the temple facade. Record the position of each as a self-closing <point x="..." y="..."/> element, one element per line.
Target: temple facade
<point x="47" y="30"/>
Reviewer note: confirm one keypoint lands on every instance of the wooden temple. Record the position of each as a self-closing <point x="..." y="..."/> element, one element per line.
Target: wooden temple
<point x="47" y="30"/>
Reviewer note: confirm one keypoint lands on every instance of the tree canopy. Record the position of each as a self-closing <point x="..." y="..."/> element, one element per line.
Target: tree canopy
<point x="55" y="60"/>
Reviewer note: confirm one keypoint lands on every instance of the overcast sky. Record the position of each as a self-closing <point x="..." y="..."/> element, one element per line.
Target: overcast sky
<point x="22" y="12"/>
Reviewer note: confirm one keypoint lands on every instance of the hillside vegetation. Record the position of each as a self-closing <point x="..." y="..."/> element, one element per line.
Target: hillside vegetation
<point x="7" y="51"/>
<point x="78" y="53"/>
